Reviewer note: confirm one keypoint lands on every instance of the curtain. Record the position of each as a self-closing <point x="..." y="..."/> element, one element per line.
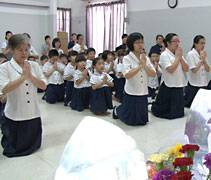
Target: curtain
<point x="64" y="20"/>
<point x="105" y="25"/>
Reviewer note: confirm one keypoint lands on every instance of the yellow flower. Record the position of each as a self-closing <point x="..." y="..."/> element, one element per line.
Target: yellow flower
<point x="174" y="151"/>
<point x="158" y="158"/>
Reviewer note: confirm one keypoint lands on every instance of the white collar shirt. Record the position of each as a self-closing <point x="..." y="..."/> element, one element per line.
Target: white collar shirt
<point x="153" y="81"/>
<point x="84" y="83"/>
<point x="138" y="84"/>
<point x="198" y="78"/>
<point x="69" y="70"/>
<point x="175" y="79"/>
<point x="107" y="66"/>
<point x="118" y="68"/>
<point x="5" y="44"/>
<point x="55" y="78"/>
<point x="22" y="102"/>
<point x="97" y="78"/>
<point x="77" y="47"/>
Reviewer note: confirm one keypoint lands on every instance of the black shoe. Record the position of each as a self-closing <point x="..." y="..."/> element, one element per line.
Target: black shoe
<point x="113" y="114"/>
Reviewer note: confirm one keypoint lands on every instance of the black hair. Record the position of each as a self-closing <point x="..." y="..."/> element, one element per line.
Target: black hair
<point x="47" y="36"/>
<point x="72" y="53"/>
<point x="100" y="54"/>
<point x="7" y="32"/>
<point x="3" y="56"/>
<point x="63" y="55"/>
<point x="31" y="57"/>
<point x="43" y="57"/>
<point x="78" y="36"/>
<point x="121" y="52"/>
<point x="94" y="62"/>
<point x="197" y="39"/>
<point x="168" y="38"/>
<point x="26" y="34"/>
<point x="159" y="35"/>
<point x="73" y="34"/>
<point x="52" y="53"/>
<point x="124" y="36"/>
<point x="80" y="58"/>
<point x="153" y="52"/>
<point x="55" y="40"/>
<point x="90" y="50"/>
<point x="118" y="48"/>
<point x="132" y="38"/>
<point x="105" y="54"/>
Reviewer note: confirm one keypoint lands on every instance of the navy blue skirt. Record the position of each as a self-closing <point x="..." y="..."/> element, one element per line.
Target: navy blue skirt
<point x="21" y="138"/>
<point x="54" y="93"/>
<point x="133" y="110"/>
<point x="69" y="91"/>
<point x="169" y="103"/>
<point x="113" y="89"/>
<point x="120" y="84"/>
<point x="80" y="99"/>
<point x="101" y="100"/>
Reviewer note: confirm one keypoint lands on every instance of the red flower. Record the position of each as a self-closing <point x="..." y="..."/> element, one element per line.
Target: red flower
<point x="182" y="175"/>
<point x="184" y="161"/>
<point x="189" y="147"/>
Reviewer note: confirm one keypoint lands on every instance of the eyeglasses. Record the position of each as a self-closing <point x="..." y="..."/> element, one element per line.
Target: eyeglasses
<point x="202" y="43"/>
<point x="175" y="41"/>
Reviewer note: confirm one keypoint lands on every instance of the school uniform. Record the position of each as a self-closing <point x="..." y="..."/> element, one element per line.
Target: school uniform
<point x="120" y="81"/>
<point x="55" y="88"/>
<point x="153" y="84"/>
<point x="101" y="98"/>
<point x="21" y="126"/>
<point x="133" y="110"/>
<point x="196" y="80"/>
<point x="81" y="93"/>
<point x="77" y="47"/>
<point x="111" y="73"/>
<point x="89" y="65"/>
<point x="169" y="103"/>
<point x="69" y="70"/>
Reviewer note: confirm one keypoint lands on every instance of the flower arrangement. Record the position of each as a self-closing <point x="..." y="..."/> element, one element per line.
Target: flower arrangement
<point x="176" y="163"/>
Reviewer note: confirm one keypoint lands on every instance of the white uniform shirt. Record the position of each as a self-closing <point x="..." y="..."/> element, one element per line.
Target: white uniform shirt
<point x="198" y="78"/>
<point x="153" y="82"/>
<point x="107" y="66"/>
<point x="55" y="77"/>
<point x="77" y="47"/>
<point x="88" y="65"/>
<point x="118" y="68"/>
<point x="136" y="85"/>
<point x="22" y="103"/>
<point x="97" y="78"/>
<point x="69" y="70"/>
<point x="175" y="79"/>
<point x="84" y="83"/>
<point x="5" y="44"/>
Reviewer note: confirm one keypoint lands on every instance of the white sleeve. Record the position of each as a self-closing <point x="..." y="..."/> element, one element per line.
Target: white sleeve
<point x="164" y="61"/>
<point x="4" y="45"/>
<point x="39" y="74"/>
<point x="45" y="68"/>
<point x="127" y="66"/>
<point x="110" y="79"/>
<point x="75" y="48"/>
<point x="4" y="76"/>
<point x="77" y="75"/>
<point x="93" y="79"/>
<point x="190" y="60"/>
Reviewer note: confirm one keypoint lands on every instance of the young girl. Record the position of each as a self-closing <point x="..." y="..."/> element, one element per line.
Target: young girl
<point x="19" y="80"/>
<point x="69" y="76"/>
<point x="169" y="103"/>
<point x="101" y="98"/>
<point x="82" y="88"/>
<point x="120" y="81"/>
<point x="137" y="67"/>
<point x="56" y="43"/>
<point x="198" y="66"/>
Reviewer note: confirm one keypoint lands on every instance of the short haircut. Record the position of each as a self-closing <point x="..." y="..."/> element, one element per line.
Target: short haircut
<point x="132" y="38"/>
<point x="7" y="32"/>
<point x="168" y="38"/>
<point x="153" y="52"/>
<point x="121" y="52"/>
<point x="124" y="36"/>
<point x="18" y="39"/>
<point x="80" y="58"/>
<point x="55" y="40"/>
<point x="159" y="35"/>
<point x="43" y="57"/>
<point x="78" y="36"/>
<point x="52" y="53"/>
<point x="72" y="53"/>
<point x="73" y="34"/>
<point x="90" y="50"/>
<point x="3" y="56"/>
<point x="47" y="36"/>
<point x="63" y="55"/>
<point x="105" y="54"/>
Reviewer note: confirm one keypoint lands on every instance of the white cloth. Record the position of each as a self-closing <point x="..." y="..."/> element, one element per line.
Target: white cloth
<point x="153" y="82"/>
<point x="88" y="63"/>
<point x="55" y="77"/>
<point x="94" y="154"/>
<point x="33" y="51"/>
<point x="77" y="47"/>
<point x="22" y="103"/>
<point x="97" y="78"/>
<point x="107" y="66"/>
<point x="69" y="70"/>
<point x="175" y="79"/>
<point x="84" y="83"/>
<point x="138" y="84"/>
<point x="118" y="68"/>
<point x="198" y="78"/>
<point x="4" y="44"/>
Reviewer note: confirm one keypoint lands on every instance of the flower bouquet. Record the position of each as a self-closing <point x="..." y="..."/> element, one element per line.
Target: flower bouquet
<point x="176" y="163"/>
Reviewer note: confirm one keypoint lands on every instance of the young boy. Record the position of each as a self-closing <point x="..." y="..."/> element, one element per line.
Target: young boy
<point x="54" y="70"/>
<point x="63" y="59"/>
<point x="69" y="76"/>
<point x="153" y="82"/>
<point x="43" y="60"/>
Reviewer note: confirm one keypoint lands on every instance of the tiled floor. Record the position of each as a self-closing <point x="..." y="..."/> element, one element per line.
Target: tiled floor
<point x="59" y="123"/>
